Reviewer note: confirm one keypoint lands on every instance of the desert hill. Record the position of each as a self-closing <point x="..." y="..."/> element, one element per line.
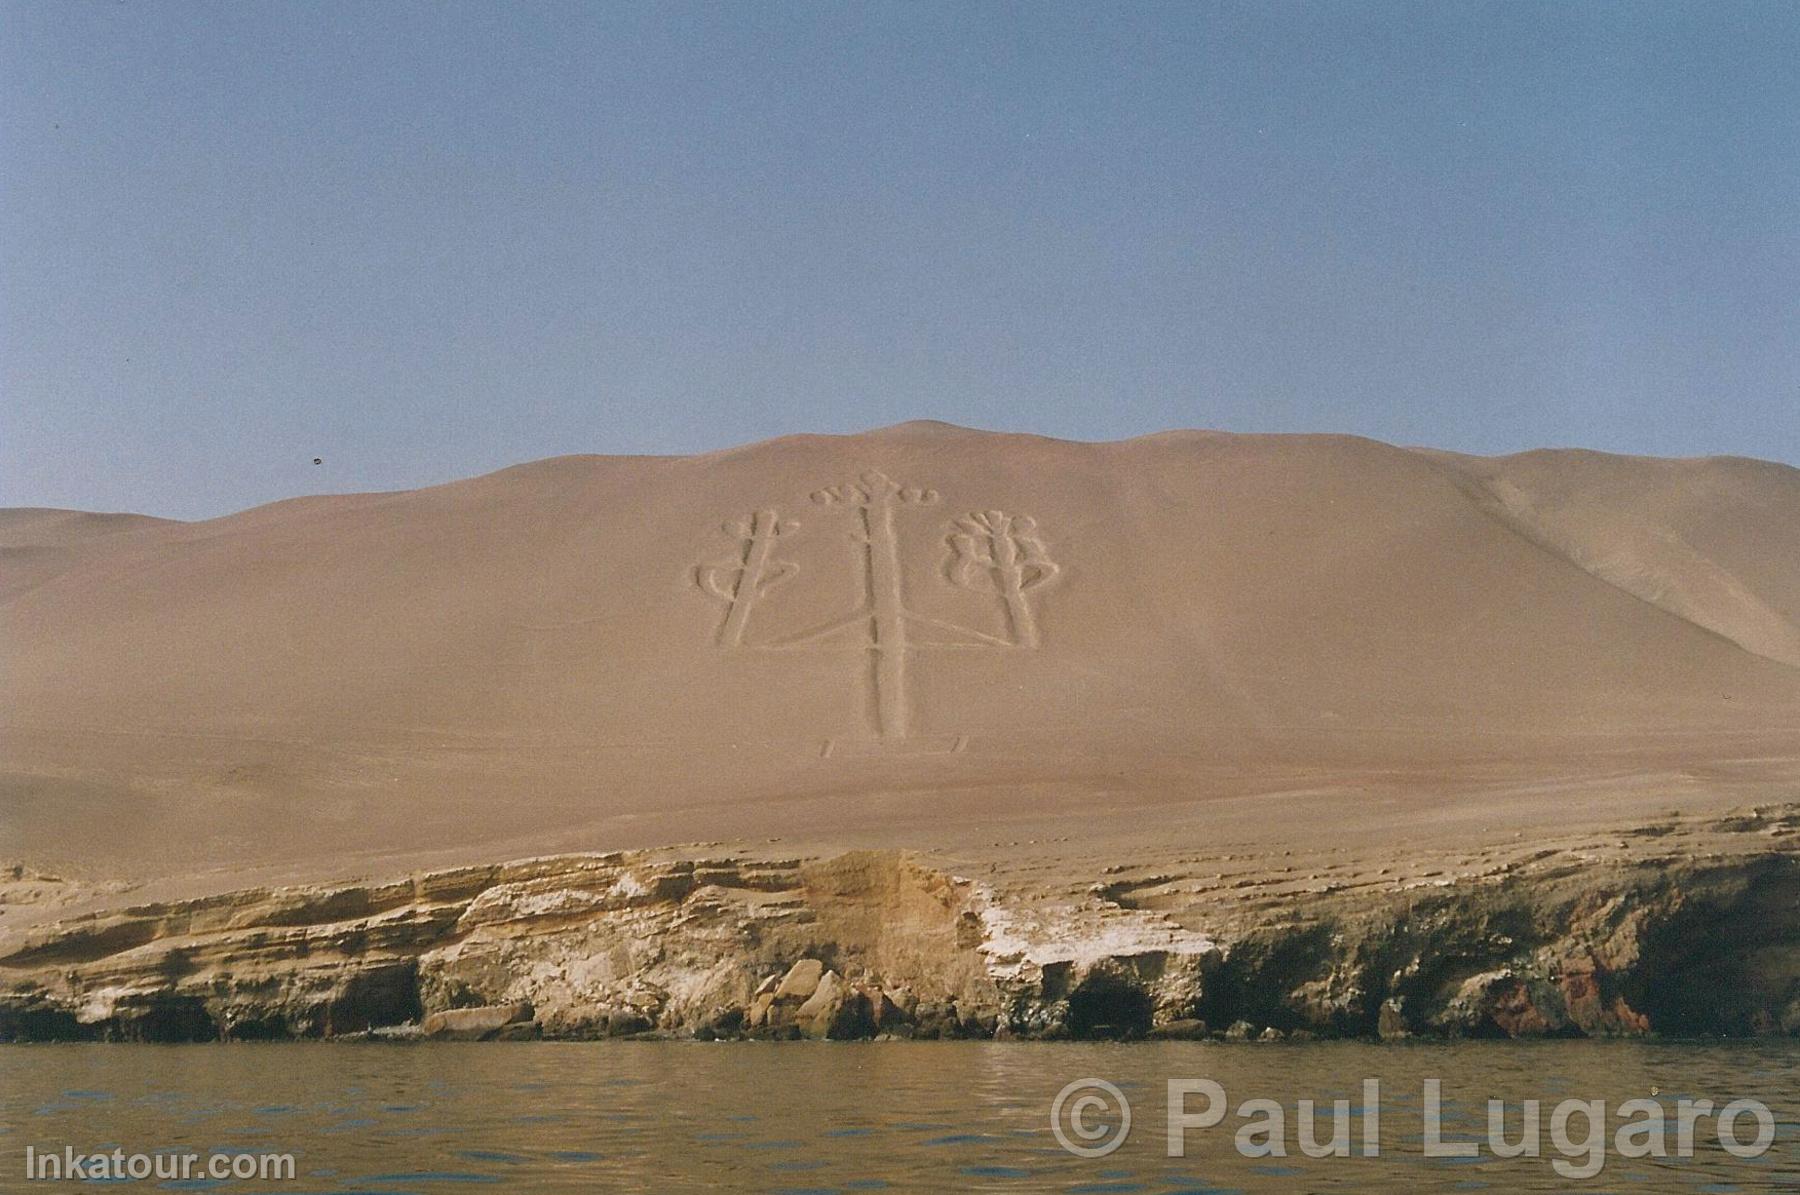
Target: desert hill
<point x="919" y="633"/>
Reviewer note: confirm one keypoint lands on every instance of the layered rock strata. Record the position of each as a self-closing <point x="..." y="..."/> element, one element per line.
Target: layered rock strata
<point x="1683" y="927"/>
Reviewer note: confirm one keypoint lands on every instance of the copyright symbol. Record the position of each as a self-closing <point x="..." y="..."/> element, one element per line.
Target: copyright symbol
<point x="1090" y="1118"/>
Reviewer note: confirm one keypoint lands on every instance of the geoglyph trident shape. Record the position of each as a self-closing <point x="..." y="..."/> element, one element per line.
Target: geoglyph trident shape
<point x="987" y="552"/>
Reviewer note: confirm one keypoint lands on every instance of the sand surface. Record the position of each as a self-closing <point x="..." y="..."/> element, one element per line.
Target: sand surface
<point x="989" y="646"/>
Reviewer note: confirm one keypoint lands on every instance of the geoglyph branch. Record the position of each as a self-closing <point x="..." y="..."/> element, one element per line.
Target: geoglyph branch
<point x="742" y="581"/>
<point x="994" y="552"/>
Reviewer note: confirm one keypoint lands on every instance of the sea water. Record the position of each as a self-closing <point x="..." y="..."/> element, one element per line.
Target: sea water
<point x="955" y="1116"/>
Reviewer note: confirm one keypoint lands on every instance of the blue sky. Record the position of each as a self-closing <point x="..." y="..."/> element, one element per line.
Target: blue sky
<point x="423" y="241"/>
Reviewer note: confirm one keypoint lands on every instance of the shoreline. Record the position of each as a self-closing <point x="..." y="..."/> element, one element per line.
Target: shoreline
<point x="1684" y="927"/>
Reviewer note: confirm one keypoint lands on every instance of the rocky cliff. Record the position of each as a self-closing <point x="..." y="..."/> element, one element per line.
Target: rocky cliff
<point x="1685" y="926"/>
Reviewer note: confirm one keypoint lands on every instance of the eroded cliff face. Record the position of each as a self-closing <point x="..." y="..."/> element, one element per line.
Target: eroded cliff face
<point x="1684" y="927"/>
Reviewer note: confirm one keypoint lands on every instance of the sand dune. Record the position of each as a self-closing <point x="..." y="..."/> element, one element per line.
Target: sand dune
<point x="1713" y="541"/>
<point x="920" y="631"/>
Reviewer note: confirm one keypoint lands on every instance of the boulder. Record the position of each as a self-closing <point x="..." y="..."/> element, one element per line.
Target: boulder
<point x="758" y="1015"/>
<point x="623" y="1022"/>
<point x="1240" y="1031"/>
<point x="720" y="1024"/>
<point x="821" y="1009"/>
<point x="801" y="981"/>
<point x="474" y="1024"/>
<point x="935" y="1018"/>
<point x="1790" y="1018"/>
<point x="1390" y="1023"/>
<point x="885" y="1013"/>
<point x="830" y="989"/>
<point x="1184" y="1029"/>
<point x="835" y="1011"/>
<point x="977" y="1021"/>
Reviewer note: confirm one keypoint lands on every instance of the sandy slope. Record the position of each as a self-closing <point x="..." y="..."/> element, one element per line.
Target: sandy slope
<point x="1284" y="638"/>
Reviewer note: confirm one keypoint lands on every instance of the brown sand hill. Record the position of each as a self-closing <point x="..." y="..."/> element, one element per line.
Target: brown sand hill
<point x="923" y="635"/>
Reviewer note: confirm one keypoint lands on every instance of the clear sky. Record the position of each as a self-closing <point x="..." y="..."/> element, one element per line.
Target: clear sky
<point x="423" y="241"/>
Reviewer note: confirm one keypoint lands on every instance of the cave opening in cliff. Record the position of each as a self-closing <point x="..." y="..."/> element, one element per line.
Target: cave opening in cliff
<point x="1108" y="1007"/>
<point x="174" y="1019"/>
<point x="258" y="1029"/>
<point x="379" y="996"/>
<point x="1725" y="963"/>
